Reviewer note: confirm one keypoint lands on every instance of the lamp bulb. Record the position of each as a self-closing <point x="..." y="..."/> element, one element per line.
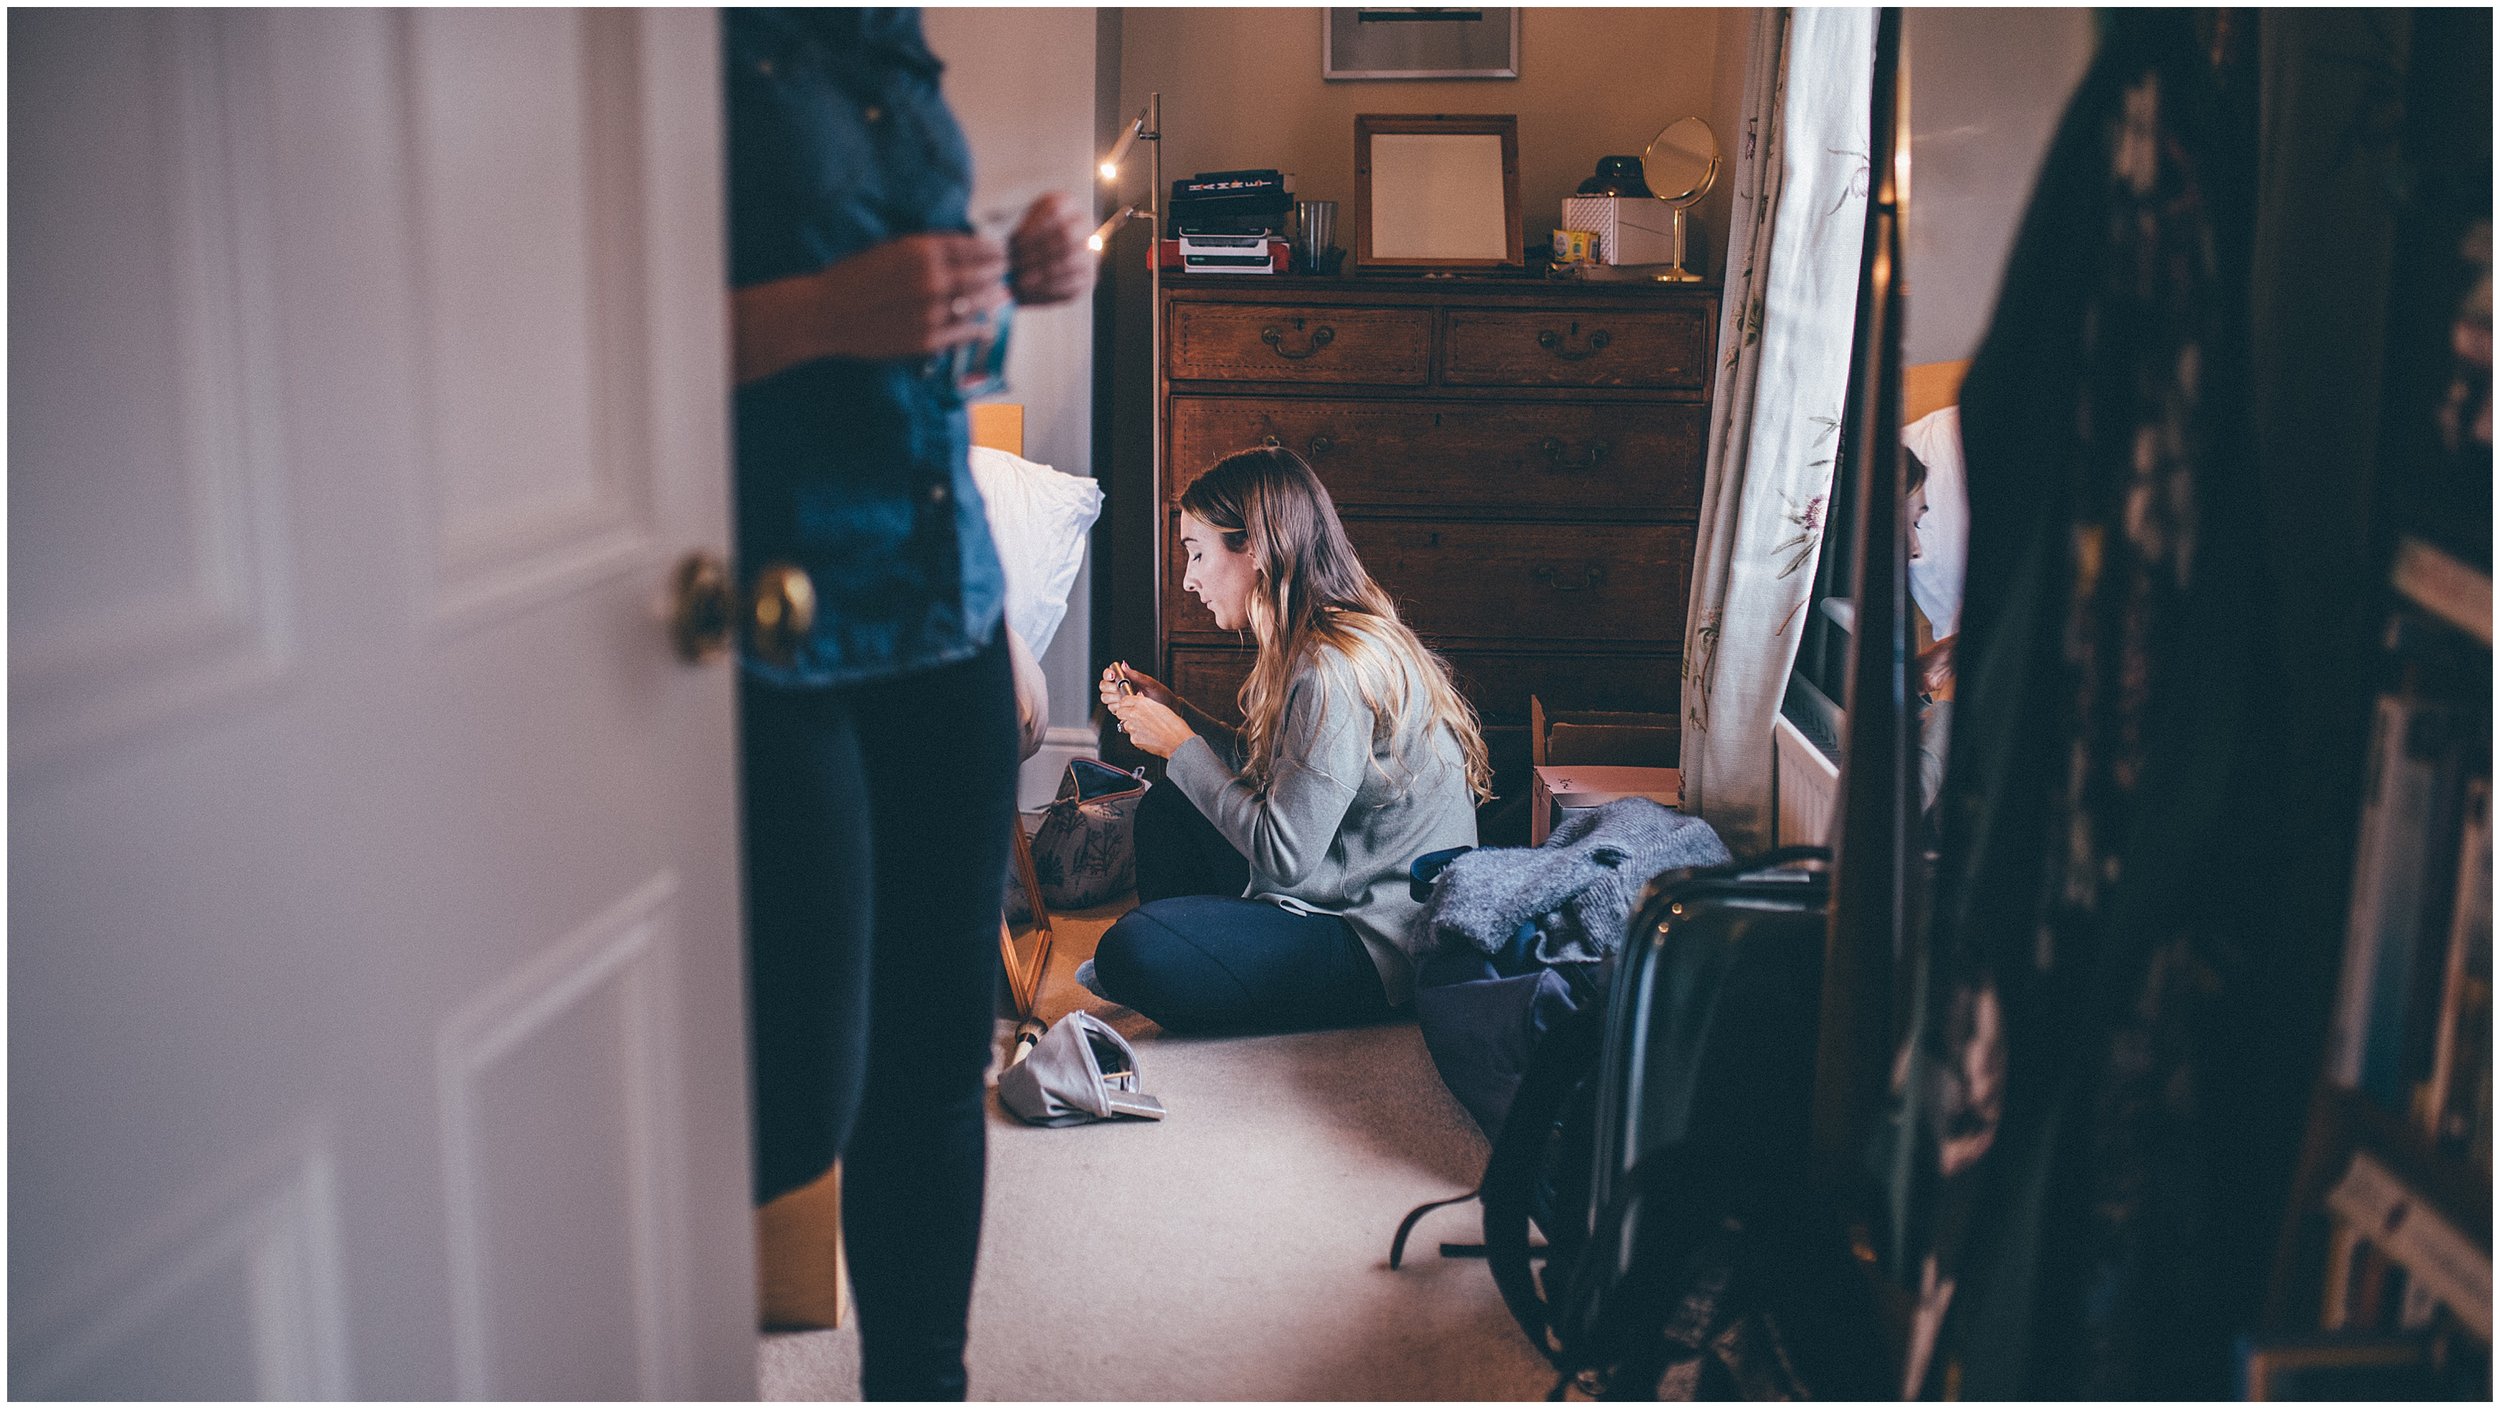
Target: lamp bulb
<point x="1110" y="171"/>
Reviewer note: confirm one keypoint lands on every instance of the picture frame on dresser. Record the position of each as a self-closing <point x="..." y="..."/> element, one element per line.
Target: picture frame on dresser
<point x="1436" y="192"/>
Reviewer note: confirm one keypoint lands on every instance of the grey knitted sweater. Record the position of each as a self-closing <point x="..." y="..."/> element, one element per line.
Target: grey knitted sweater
<point x="1342" y="816"/>
<point x="1580" y="886"/>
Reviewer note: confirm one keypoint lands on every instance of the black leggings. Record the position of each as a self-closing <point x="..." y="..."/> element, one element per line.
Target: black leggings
<point x="876" y="843"/>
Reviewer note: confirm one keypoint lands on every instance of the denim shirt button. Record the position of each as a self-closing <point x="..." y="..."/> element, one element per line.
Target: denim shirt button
<point x="873" y="113"/>
<point x="938" y="493"/>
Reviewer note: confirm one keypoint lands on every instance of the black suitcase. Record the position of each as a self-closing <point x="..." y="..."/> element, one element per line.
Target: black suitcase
<point x="1661" y="1144"/>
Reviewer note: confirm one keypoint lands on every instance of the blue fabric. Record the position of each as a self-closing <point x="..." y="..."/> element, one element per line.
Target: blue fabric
<point x="1179" y="852"/>
<point x="1482" y="1016"/>
<point x="839" y="140"/>
<point x="1217" y="963"/>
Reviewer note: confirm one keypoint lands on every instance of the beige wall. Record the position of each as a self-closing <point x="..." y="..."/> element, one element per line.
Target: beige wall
<point x="1987" y="87"/>
<point x="1242" y="88"/>
<point x="1021" y="82"/>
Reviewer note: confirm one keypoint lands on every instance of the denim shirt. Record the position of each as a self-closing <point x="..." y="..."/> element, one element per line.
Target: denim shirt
<point x="853" y="470"/>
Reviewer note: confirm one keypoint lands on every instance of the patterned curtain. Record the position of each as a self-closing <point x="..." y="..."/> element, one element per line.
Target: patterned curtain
<point x="1787" y="313"/>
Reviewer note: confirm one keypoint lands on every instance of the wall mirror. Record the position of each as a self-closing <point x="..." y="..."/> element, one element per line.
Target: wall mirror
<point x="1436" y="192"/>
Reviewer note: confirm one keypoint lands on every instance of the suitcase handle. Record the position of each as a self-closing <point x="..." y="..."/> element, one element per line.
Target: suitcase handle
<point x="1782" y="858"/>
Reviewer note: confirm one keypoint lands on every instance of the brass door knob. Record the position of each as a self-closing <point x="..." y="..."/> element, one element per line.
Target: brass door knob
<point x="781" y="612"/>
<point x="699" y="607"/>
<point x="705" y="609"/>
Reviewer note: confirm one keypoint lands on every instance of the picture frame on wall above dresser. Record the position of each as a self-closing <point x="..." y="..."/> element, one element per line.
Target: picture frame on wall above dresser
<point x="1436" y="192"/>
<point x="1380" y="41"/>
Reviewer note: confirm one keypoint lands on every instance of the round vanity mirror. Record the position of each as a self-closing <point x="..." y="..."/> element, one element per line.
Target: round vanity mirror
<point x="1681" y="165"/>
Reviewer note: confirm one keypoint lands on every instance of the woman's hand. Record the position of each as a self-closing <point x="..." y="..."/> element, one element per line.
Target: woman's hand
<point x="1137" y="682"/>
<point x="1150" y="724"/>
<point x="1052" y="264"/>
<point x="908" y="298"/>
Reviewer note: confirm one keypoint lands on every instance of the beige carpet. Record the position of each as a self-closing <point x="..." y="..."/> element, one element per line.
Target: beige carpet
<point x="1238" y="1249"/>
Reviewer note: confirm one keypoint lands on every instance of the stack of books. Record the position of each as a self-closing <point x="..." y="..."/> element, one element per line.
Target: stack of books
<point x="2400" y="1184"/>
<point x="2395" y="1262"/>
<point x="1228" y="222"/>
<point x="2413" y="1017"/>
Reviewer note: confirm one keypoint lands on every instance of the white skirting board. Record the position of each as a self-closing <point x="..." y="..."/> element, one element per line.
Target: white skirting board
<point x="1038" y="780"/>
<point x="1803" y="786"/>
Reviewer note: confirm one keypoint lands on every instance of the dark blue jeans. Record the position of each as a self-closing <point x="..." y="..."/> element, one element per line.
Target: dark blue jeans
<point x="876" y="843"/>
<point x="1196" y="957"/>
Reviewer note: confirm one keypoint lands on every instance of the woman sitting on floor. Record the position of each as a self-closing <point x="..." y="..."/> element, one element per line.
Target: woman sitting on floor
<point x="1272" y="861"/>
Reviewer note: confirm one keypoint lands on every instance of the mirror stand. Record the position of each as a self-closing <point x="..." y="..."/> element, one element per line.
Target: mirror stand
<point x="1675" y="272"/>
<point x="1680" y="165"/>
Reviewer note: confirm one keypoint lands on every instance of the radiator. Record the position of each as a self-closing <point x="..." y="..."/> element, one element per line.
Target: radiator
<point x="1804" y="785"/>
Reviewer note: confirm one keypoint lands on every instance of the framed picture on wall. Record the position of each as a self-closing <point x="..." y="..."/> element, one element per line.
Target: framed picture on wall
<point x="1436" y="192"/>
<point x="1418" y="42"/>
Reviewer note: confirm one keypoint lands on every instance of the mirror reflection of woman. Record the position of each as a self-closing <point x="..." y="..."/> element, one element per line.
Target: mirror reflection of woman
<point x="1272" y="860"/>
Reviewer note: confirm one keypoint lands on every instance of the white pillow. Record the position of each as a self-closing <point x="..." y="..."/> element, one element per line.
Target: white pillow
<point x="1039" y="519"/>
<point x="1944" y="539"/>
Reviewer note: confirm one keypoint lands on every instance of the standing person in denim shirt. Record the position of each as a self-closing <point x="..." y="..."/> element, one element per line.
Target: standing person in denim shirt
<point x="879" y="756"/>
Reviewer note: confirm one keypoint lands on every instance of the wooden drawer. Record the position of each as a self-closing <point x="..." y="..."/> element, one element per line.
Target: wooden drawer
<point x="1620" y="459"/>
<point x="1254" y="342"/>
<point x="1664" y="348"/>
<point x="1532" y="582"/>
<point x="1497" y="683"/>
<point x="1210" y="677"/>
<point x="1460" y="581"/>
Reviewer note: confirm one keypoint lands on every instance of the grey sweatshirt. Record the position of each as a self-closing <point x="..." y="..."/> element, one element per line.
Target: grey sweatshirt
<point x="1340" y="819"/>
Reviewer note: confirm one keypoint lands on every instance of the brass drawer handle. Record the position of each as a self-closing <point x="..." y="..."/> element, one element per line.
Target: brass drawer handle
<point x="1553" y="448"/>
<point x="1320" y="444"/>
<point x="1321" y="336"/>
<point x="1591" y="577"/>
<point x="1552" y="342"/>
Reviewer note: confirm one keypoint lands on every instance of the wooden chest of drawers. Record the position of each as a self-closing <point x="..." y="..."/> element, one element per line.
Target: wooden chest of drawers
<point x="1519" y="462"/>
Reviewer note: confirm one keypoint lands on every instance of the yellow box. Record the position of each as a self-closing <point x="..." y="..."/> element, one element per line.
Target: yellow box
<point x="1574" y="246"/>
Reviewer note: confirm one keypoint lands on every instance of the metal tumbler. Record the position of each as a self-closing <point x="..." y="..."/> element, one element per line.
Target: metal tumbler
<point x="1314" y="233"/>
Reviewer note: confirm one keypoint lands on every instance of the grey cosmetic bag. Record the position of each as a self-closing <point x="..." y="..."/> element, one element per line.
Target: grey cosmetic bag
<point x="1081" y="1070"/>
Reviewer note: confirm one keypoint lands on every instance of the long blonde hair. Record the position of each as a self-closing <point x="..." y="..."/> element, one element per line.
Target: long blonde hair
<point x="1309" y="594"/>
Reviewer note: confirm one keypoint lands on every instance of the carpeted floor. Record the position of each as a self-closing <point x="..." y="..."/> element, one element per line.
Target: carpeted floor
<point x="1236" y="1250"/>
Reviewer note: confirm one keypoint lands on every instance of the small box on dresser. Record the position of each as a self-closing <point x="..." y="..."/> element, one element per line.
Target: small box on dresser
<point x="1629" y="229"/>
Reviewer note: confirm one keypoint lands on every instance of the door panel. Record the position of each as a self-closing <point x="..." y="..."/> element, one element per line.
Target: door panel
<point x="534" y="321"/>
<point x="376" y="1004"/>
<point x="159" y="582"/>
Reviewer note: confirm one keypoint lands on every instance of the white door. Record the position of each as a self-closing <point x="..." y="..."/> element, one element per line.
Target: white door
<point x="375" y="1006"/>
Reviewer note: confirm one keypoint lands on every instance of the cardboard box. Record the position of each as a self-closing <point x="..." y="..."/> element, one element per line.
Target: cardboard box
<point x="801" y="1279"/>
<point x="1587" y="758"/>
<point x="1559" y="789"/>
